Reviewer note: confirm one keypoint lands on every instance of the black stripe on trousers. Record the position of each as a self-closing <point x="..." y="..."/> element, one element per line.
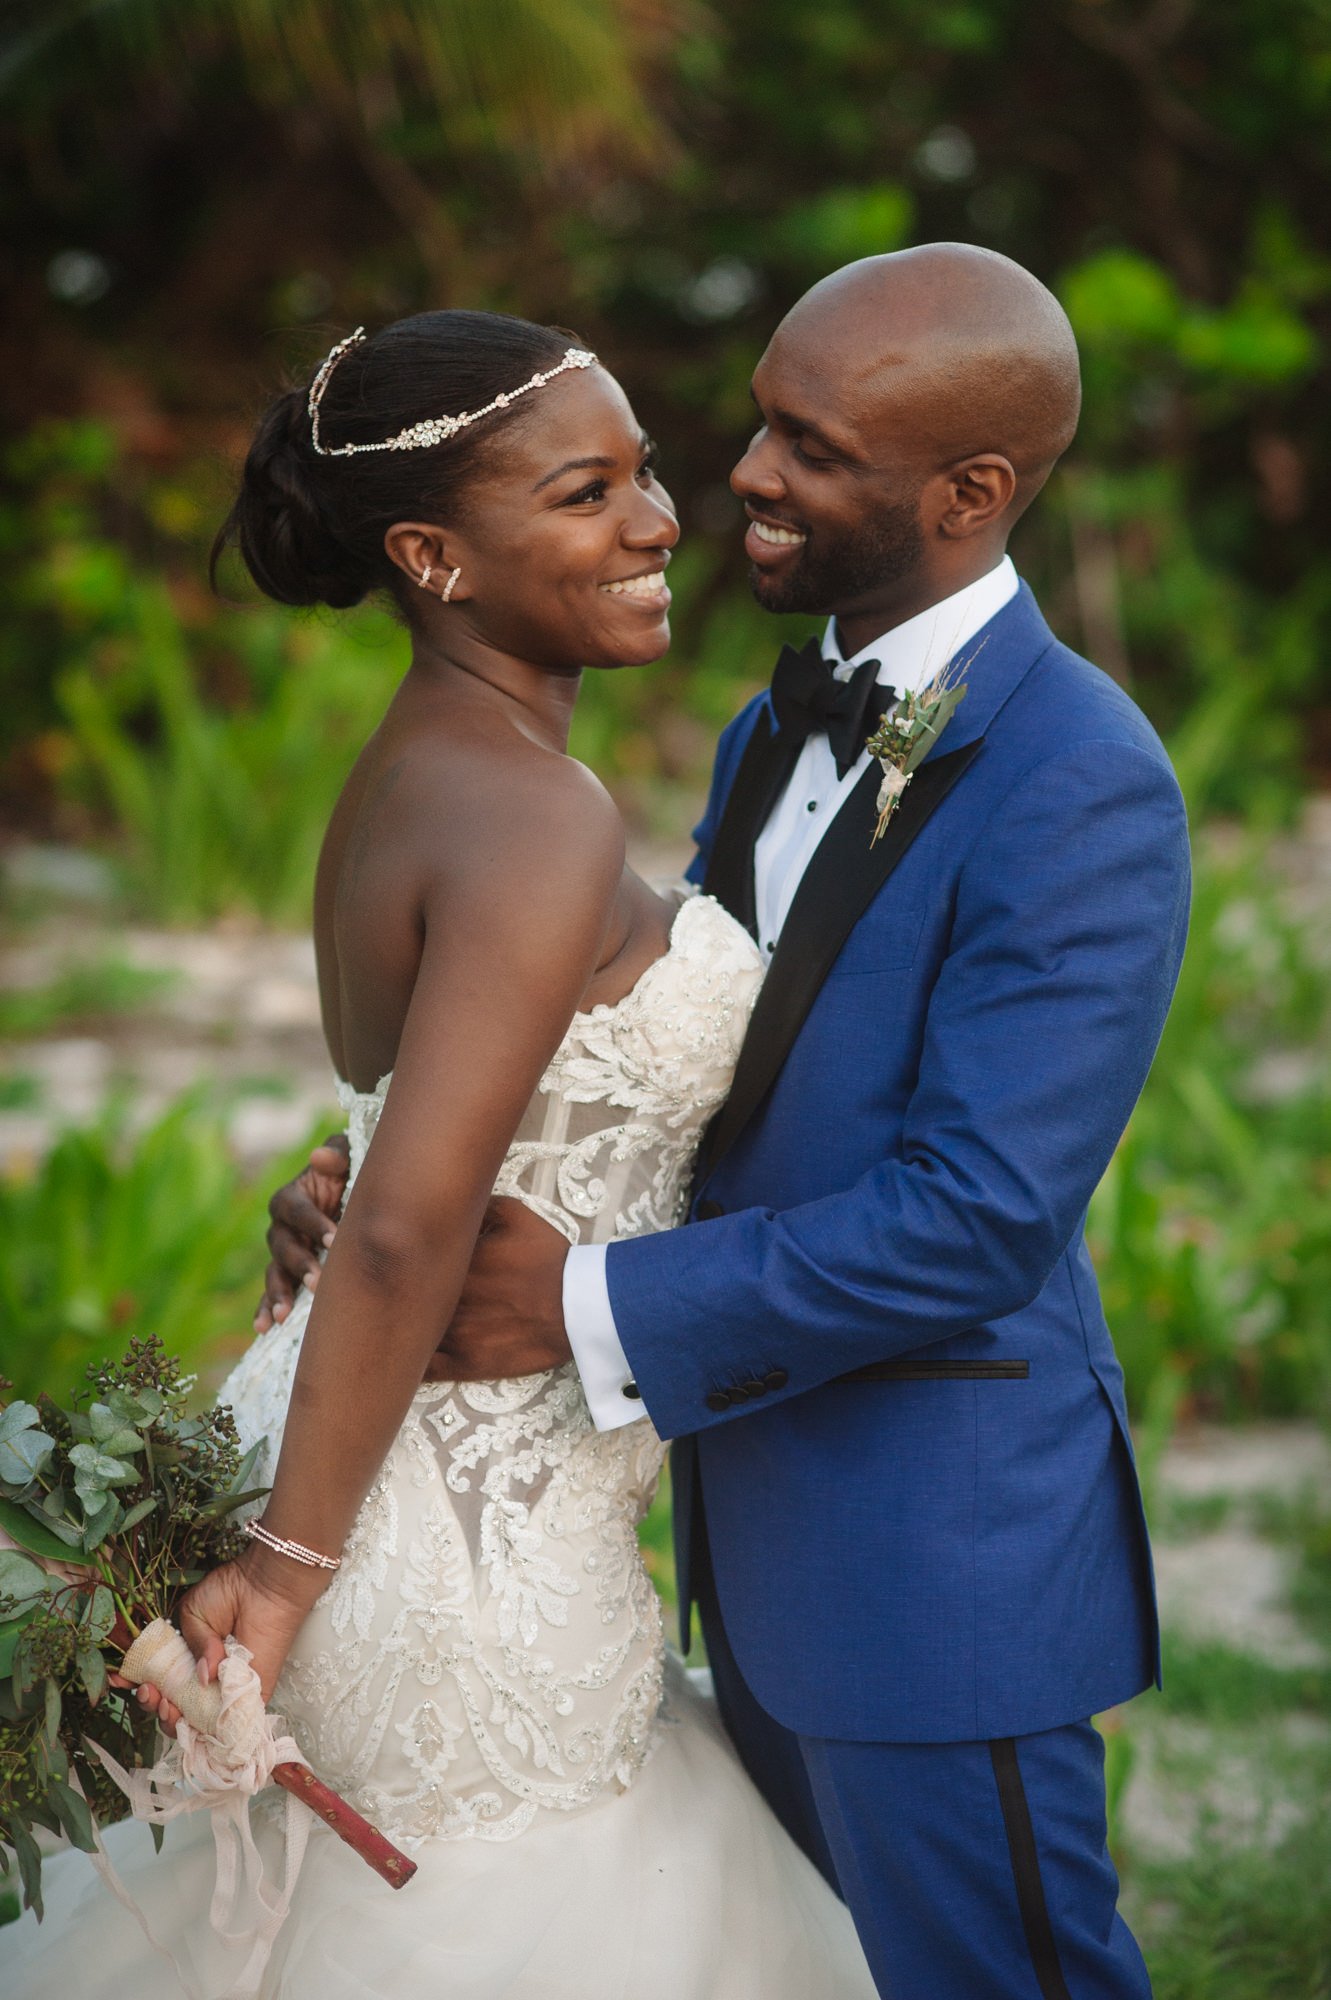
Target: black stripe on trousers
<point x="1026" y="1869"/>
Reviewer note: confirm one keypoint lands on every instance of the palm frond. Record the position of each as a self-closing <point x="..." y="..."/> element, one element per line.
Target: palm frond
<point x="550" y="75"/>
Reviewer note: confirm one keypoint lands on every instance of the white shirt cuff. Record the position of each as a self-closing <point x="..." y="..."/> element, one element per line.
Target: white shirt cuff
<point x="590" y="1325"/>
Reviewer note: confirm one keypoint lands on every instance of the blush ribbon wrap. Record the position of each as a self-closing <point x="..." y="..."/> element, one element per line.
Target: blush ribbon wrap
<point x="220" y="1759"/>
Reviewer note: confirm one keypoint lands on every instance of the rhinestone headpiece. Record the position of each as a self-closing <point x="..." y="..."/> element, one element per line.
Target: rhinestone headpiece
<point x="434" y="430"/>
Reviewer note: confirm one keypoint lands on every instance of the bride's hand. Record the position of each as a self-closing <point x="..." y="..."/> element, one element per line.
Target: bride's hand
<point x="253" y="1601"/>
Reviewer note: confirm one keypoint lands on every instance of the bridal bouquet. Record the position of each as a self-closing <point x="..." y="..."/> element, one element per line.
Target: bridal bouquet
<point x="108" y="1512"/>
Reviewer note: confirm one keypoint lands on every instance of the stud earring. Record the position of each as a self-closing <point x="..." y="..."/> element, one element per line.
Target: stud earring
<point x="424" y="578"/>
<point x="447" y="590"/>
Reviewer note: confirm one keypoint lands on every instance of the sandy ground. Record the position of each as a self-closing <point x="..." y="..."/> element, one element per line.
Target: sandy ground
<point x="239" y="1017"/>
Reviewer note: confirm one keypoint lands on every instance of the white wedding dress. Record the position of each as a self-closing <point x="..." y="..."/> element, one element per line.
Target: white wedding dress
<point x="485" y="1678"/>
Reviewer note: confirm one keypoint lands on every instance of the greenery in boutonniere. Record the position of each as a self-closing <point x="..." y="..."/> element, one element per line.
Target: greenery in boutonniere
<point x="109" y="1509"/>
<point x="906" y="736"/>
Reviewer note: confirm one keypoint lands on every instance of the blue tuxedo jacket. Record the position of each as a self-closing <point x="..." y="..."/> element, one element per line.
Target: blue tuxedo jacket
<point x="883" y="1348"/>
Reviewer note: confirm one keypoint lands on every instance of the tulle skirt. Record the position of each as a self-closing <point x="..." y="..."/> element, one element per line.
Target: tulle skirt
<point x="684" y="1887"/>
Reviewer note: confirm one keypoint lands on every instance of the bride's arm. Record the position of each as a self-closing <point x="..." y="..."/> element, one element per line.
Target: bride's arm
<point x="510" y="945"/>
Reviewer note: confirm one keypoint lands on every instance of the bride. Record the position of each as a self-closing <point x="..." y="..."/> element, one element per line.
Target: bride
<point x="465" y="1642"/>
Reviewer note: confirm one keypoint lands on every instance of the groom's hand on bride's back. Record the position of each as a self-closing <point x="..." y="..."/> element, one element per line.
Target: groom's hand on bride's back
<point x="510" y="1317"/>
<point x="304" y="1221"/>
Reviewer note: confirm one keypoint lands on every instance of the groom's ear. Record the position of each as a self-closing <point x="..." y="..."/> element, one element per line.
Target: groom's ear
<point x="971" y="496"/>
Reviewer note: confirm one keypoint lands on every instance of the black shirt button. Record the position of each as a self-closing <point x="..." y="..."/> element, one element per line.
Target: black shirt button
<point x="777" y="1378"/>
<point x="632" y="1391"/>
<point x="755" y="1389"/>
<point x="709" y="1210"/>
<point x="718" y="1400"/>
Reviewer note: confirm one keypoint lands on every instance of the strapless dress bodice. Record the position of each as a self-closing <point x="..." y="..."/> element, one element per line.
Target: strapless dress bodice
<point x="492" y="1646"/>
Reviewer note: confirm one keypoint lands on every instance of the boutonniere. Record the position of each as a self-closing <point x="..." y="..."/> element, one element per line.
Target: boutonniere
<point x="905" y="737"/>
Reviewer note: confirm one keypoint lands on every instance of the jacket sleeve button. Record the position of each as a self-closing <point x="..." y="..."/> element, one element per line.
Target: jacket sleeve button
<point x="718" y="1400"/>
<point x="776" y="1378"/>
<point x="755" y="1389"/>
<point x="709" y="1210"/>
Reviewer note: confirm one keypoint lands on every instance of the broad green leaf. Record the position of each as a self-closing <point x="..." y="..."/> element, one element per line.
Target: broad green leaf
<point x="24" y="1455"/>
<point x="100" y="1523"/>
<point x="51" y="1719"/>
<point x="98" y="1468"/>
<point x="92" y="1672"/>
<point x="74" y="1815"/>
<point x="21" y="1578"/>
<point x="134" y="1406"/>
<point x="31" y="1534"/>
<point x="139" y="1511"/>
<point x="29" y="1865"/>
<point x="246" y="1466"/>
<point x="112" y="1436"/>
<point x="101" y="1614"/>
<point x="18" y="1417"/>
<point x="10" y="1634"/>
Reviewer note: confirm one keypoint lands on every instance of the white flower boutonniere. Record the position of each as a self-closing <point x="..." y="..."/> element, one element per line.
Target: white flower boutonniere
<point x="905" y="737"/>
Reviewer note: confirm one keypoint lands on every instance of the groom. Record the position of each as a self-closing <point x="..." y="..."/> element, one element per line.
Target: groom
<point x="904" y="1491"/>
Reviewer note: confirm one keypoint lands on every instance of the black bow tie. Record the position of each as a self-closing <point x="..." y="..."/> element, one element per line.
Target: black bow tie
<point x="807" y="699"/>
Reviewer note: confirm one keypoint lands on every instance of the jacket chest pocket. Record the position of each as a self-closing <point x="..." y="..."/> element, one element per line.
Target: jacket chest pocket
<point x="886" y="944"/>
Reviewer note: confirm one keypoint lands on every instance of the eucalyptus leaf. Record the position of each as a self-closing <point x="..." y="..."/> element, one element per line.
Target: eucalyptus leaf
<point x="23" y="1455"/>
<point x="74" y="1815"/>
<point x="101" y="1614"/>
<point x="19" y="1417"/>
<point x="51" y="1719"/>
<point x="96" y="1468"/>
<point x="10" y="1634"/>
<point x="23" y="1579"/>
<point x="29" y="1865"/>
<point x="100" y="1523"/>
<point x="134" y="1406"/>
<point x="41" y="1539"/>
<point x="92" y="1672"/>
<point x="139" y="1511"/>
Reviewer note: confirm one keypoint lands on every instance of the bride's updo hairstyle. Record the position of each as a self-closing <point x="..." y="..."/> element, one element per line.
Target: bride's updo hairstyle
<point x="310" y="528"/>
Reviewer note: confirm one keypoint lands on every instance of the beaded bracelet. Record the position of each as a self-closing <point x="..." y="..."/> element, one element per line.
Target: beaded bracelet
<point x="296" y="1550"/>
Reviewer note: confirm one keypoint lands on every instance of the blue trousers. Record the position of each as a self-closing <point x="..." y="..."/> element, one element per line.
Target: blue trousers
<point x="974" y="1871"/>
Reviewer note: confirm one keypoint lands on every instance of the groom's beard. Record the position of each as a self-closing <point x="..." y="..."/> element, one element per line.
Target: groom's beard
<point x="880" y="551"/>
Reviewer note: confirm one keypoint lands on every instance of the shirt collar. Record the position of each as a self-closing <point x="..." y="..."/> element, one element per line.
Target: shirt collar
<point x="912" y="653"/>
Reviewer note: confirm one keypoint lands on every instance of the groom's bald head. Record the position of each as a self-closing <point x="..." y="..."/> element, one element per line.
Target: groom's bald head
<point x="969" y="348"/>
<point x="912" y="407"/>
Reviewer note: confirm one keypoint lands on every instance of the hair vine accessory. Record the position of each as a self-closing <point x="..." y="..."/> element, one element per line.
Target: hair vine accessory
<point x="434" y="430"/>
<point x="321" y="379"/>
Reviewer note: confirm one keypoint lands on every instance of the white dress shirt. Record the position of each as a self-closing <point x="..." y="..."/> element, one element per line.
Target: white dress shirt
<point x="908" y="658"/>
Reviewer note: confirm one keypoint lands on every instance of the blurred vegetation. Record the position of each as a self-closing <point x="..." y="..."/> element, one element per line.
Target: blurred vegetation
<point x="121" y="1232"/>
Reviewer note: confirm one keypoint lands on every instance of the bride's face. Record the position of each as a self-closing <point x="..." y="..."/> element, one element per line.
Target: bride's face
<point x="563" y="545"/>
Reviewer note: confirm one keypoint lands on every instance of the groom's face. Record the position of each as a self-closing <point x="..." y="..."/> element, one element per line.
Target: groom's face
<point x="832" y="485"/>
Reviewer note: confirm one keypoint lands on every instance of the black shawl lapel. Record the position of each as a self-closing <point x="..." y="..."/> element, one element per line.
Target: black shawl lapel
<point x="763" y="770"/>
<point x="842" y="879"/>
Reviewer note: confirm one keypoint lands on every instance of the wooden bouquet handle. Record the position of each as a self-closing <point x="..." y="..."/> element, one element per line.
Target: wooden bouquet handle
<point x="160" y="1656"/>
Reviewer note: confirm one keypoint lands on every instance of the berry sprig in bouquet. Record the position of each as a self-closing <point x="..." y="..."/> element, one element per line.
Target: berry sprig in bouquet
<point x="109" y="1510"/>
